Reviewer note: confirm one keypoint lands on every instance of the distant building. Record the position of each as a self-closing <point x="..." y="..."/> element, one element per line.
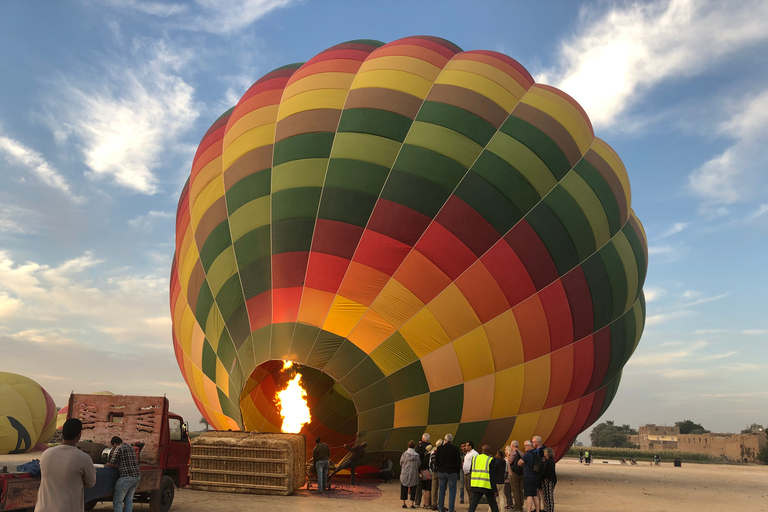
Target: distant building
<point x="734" y="447"/>
<point x="657" y="437"/>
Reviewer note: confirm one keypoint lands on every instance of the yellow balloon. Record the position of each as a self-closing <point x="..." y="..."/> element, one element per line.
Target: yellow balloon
<point x="27" y="414"/>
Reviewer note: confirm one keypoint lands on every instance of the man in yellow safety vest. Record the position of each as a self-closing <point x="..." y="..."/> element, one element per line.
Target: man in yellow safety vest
<point x="480" y="480"/>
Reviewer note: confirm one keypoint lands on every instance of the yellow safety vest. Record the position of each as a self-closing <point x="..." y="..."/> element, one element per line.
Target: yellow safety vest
<point x="481" y="474"/>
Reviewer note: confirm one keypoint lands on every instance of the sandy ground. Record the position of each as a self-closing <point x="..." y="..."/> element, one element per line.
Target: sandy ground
<point x="598" y="487"/>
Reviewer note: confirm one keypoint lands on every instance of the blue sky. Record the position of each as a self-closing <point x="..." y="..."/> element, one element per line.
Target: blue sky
<point x="103" y="103"/>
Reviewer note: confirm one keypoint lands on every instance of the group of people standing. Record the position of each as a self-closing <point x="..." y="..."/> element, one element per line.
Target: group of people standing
<point x="511" y="475"/>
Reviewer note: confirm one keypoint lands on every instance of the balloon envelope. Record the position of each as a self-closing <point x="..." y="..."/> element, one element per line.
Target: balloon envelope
<point x="439" y="243"/>
<point x="27" y="414"/>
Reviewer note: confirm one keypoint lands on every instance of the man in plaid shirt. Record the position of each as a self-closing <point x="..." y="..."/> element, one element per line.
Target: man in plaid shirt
<point x="124" y="459"/>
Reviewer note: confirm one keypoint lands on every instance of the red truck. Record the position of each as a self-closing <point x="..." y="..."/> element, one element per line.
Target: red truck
<point x="159" y="436"/>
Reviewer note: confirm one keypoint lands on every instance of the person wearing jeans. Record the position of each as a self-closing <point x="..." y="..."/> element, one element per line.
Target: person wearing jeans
<point x="123" y="457"/>
<point x="321" y="454"/>
<point x="448" y="463"/>
<point x="125" y="487"/>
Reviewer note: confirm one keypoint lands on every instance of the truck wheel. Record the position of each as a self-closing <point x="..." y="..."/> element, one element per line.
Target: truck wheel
<point x="90" y="504"/>
<point x="161" y="499"/>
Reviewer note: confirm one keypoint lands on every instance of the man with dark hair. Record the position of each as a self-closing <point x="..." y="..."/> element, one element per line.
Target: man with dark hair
<point x="321" y="454"/>
<point x="448" y="462"/>
<point x="66" y="471"/>
<point x="358" y="452"/>
<point x="123" y="458"/>
<point x="469" y="446"/>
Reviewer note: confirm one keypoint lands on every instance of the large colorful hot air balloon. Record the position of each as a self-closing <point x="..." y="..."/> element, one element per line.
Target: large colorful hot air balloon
<point x="27" y="414"/>
<point x="437" y="242"/>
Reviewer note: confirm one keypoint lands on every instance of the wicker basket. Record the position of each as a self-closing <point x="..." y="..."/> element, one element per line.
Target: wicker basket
<point x="248" y="462"/>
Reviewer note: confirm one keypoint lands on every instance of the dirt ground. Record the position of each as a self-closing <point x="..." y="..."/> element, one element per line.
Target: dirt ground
<point x="598" y="487"/>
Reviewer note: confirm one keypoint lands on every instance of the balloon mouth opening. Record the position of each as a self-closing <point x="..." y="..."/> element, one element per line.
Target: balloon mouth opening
<point x="333" y="414"/>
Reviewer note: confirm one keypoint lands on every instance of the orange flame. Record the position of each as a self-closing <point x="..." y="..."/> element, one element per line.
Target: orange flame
<point x="292" y="401"/>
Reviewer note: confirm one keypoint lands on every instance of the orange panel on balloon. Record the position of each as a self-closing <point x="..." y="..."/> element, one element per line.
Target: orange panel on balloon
<point x="533" y="327"/>
<point x="362" y="284"/>
<point x="422" y="277"/>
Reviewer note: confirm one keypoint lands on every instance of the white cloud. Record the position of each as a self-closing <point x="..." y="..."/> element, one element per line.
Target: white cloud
<point x="710" y="331"/>
<point x="656" y="249"/>
<point x="16" y="153"/>
<point x="755" y="332"/>
<point x="8" y="305"/>
<point x="47" y="304"/>
<point x="675" y="229"/>
<point x="652" y="294"/>
<point x="224" y="16"/>
<point x="691" y="294"/>
<point x="126" y="122"/>
<point x="147" y="221"/>
<point x="734" y="175"/>
<point x="661" y="318"/>
<point x="702" y="300"/>
<point x="162" y="10"/>
<point x="631" y="48"/>
<point x="215" y="16"/>
<point x="15" y="220"/>
<point x="45" y="337"/>
<point x="762" y="210"/>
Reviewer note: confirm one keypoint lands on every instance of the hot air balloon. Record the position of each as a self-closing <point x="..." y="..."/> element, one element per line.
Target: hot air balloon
<point x="27" y="414"/>
<point x="438" y="243"/>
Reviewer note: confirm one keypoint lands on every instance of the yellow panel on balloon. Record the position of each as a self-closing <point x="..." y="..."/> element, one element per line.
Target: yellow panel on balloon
<point x="525" y="424"/>
<point x="319" y="81"/>
<point x="491" y="73"/>
<point x="474" y="353"/>
<point x="607" y="153"/>
<point x="564" y="112"/>
<point x="453" y="312"/>
<point x="396" y="80"/>
<point x="323" y="98"/>
<point x="536" y="387"/>
<point x="412" y="411"/>
<point x="424" y="333"/>
<point x="248" y="141"/>
<point x="260" y="117"/>
<point x="343" y="316"/>
<point x="412" y="65"/>
<point x="396" y="303"/>
<point x="222" y="377"/>
<point x="547" y="421"/>
<point x="505" y="341"/>
<point x="210" y="194"/>
<point x="507" y="392"/>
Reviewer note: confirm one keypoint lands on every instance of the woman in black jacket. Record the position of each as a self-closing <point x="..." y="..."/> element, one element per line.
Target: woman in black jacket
<point x="498" y="475"/>
<point x="549" y="479"/>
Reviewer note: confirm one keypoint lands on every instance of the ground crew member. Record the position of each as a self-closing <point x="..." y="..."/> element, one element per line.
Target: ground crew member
<point x="480" y="480"/>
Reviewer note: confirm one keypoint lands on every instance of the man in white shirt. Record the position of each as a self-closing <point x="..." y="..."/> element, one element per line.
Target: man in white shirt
<point x="469" y="447"/>
<point x="65" y="472"/>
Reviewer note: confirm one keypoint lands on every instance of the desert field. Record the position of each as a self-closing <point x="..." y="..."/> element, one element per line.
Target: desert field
<point x="598" y="487"/>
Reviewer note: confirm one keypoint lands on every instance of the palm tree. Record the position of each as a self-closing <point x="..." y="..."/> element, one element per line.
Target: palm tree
<point x="204" y="421"/>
